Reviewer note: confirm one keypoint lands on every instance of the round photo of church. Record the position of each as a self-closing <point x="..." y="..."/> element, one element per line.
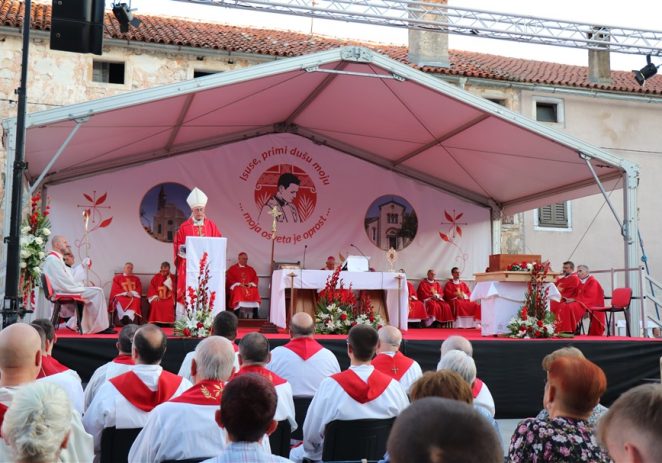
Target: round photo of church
<point x="391" y="222"/>
<point x="163" y="209"/>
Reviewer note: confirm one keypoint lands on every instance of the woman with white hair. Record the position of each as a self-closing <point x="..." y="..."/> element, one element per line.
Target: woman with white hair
<point x="36" y="425"/>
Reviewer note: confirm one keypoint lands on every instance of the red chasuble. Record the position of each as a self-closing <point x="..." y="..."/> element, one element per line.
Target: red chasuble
<point x="359" y="390"/>
<point x="50" y="366"/>
<point x="206" y="392"/>
<point x="304" y="347"/>
<point x="395" y="366"/>
<point x="241" y="293"/>
<point x="589" y="294"/>
<point x="436" y="308"/>
<point x="162" y="309"/>
<point x="124" y="359"/>
<point x="187" y="228"/>
<point x="270" y="375"/>
<point x="122" y="284"/>
<point x="142" y="397"/>
<point x="458" y="296"/>
<point x="416" y="307"/>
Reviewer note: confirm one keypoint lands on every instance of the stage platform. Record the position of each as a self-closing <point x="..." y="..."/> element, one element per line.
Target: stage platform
<point x="510" y="367"/>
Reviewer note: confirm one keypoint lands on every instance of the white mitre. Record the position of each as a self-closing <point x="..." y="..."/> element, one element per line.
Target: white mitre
<point x="196" y="198"/>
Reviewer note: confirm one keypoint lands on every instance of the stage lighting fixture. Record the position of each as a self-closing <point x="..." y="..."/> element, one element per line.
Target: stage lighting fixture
<point x="646" y="72"/>
<point x="125" y="17"/>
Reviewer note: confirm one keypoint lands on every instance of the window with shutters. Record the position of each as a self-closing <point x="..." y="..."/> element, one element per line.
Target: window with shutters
<point x="553" y="217"/>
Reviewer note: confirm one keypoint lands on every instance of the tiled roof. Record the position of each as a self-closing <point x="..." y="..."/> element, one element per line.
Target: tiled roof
<point x="171" y="31"/>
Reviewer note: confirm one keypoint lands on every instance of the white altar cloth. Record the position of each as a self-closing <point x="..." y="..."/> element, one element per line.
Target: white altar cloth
<point x="316" y="279"/>
<point x="500" y="301"/>
<point x="215" y="249"/>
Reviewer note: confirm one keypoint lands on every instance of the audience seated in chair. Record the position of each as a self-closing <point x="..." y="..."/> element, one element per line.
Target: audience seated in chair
<point x="631" y="428"/>
<point x="390" y="361"/>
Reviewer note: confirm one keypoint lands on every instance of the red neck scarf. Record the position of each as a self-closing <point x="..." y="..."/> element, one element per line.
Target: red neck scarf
<point x="270" y="375"/>
<point x="124" y="359"/>
<point x="3" y="410"/>
<point x="140" y="396"/>
<point x="360" y="391"/>
<point x="50" y="366"/>
<point x="476" y="387"/>
<point x="304" y="347"/>
<point x="207" y="392"/>
<point x="395" y="366"/>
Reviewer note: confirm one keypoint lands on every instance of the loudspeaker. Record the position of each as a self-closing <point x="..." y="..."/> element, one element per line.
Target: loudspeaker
<point x="77" y="26"/>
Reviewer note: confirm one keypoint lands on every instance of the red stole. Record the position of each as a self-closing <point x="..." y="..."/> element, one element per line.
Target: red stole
<point x="124" y="359"/>
<point x="3" y="410"/>
<point x="270" y="375"/>
<point x="476" y="387"/>
<point x="395" y="366"/>
<point x="360" y="391"/>
<point x="304" y="347"/>
<point x="206" y="392"/>
<point x="140" y="396"/>
<point x="50" y="366"/>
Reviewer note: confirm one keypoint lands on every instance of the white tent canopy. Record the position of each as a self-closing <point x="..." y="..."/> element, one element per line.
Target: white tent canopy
<point x="352" y="99"/>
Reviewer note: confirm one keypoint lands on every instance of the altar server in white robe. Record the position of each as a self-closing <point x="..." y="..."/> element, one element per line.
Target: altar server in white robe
<point x="303" y="362"/>
<point x="360" y="392"/>
<point x="254" y="355"/>
<point x="125" y="401"/>
<point x="167" y="433"/>
<point x="95" y="312"/>
<point x="225" y="324"/>
<point x="390" y="361"/>
<point x="122" y="363"/>
<point x="20" y="362"/>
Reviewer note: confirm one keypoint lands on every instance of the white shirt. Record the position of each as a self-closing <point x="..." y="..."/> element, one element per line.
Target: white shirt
<point x="304" y="376"/>
<point x="72" y="385"/>
<point x="185" y="368"/>
<point x="331" y="402"/>
<point x="79" y="448"/>
<point x="485" y="400"/>
<point x="110" y="409"/>
<point x="102" y="375"/>
<point x="411" y="375"/>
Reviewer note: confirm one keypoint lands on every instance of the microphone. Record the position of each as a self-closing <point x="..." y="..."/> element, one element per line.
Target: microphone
<point x="357" y="248"/>
<point x="304" y="257"/>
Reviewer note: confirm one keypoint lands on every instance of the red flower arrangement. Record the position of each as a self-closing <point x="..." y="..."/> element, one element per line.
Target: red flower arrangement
<point x="198" y="318"/>
<point x="534" y="320"/>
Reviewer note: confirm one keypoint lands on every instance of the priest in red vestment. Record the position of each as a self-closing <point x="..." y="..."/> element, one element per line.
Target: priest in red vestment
<point x="416" y="307"/>
<point x="241" y="286"/>
<point x="330" y="263"/>
<point x="568" y="285"/>
<point x="196" y="225"/>
<point x="431" y="293"/>
<point x="161" y="296"/>
<point x="125" y="295"/>
<point x="457" y="293"/>
<point x="589" y="294"/>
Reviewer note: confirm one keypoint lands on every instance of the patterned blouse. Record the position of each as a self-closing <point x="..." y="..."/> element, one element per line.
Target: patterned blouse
<point x="559" y="440"/>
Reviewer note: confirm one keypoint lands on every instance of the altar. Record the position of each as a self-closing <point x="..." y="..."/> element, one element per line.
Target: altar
<point x="397" y="302"/>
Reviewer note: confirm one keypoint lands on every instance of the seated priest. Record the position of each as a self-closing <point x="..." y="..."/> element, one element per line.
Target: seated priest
<point x="241" y="285"/>
<point x="431" y="293"/>
<point x="125" y="296"/>
<point x="161" y="296"/>
<point x="457" y="293"/>
<point x="568" y="284"/>
<point x="330" y="263"/>
<point x="416" y="307"/>
<point x="570" y="312"/>
<point x="79" y="271"/>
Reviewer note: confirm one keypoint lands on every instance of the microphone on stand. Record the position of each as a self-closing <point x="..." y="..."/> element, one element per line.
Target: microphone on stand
<point x="303" y="267"/>
<point x="357" y="248"/>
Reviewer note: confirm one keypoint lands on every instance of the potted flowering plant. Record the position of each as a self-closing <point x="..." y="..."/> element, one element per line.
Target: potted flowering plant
<point x="338" y="310"/>
<point x="534" y="320"/>
<point x="198" y="318"/>
<point x="35" y="231"/>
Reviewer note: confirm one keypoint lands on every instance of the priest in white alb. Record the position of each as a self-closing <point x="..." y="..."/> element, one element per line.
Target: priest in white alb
<point x="125" y="401"/>
<point x="361" y="392"/>
<point x="390" y="361"/>
<point x="122" y="363"/>
<point x="303" y="361"/>
<point x="95" y="311"/>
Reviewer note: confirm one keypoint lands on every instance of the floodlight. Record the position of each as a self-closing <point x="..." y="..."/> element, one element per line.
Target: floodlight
<point x="125" y="16"/>
<point x="646" y="72"/>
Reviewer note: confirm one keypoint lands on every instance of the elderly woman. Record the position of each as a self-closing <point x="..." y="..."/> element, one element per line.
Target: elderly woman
<point x="574" y="387"/>
<point x="36" y="425"/>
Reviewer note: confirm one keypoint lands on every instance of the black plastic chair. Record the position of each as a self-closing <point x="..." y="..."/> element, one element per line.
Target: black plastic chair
<point x="116" y="443"/>
<point x="356" y="439"/>
<point x="279" y="440"/>
<point x="301" y="405"/>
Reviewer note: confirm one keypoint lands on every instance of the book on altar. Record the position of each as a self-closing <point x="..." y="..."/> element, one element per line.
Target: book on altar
<point x="215" y="248"/>
<point x="356" y="264"/>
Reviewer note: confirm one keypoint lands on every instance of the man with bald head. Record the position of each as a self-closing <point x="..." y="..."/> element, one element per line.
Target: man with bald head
<point x="303" y="362"/>
<point x="254" y="356"/>
<point x="167" y="433"/>
<point x="20" y="363"/>
<point x="390" y="361"/>
<point x="95" y="312"/>
<point x="125" y="401"/>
